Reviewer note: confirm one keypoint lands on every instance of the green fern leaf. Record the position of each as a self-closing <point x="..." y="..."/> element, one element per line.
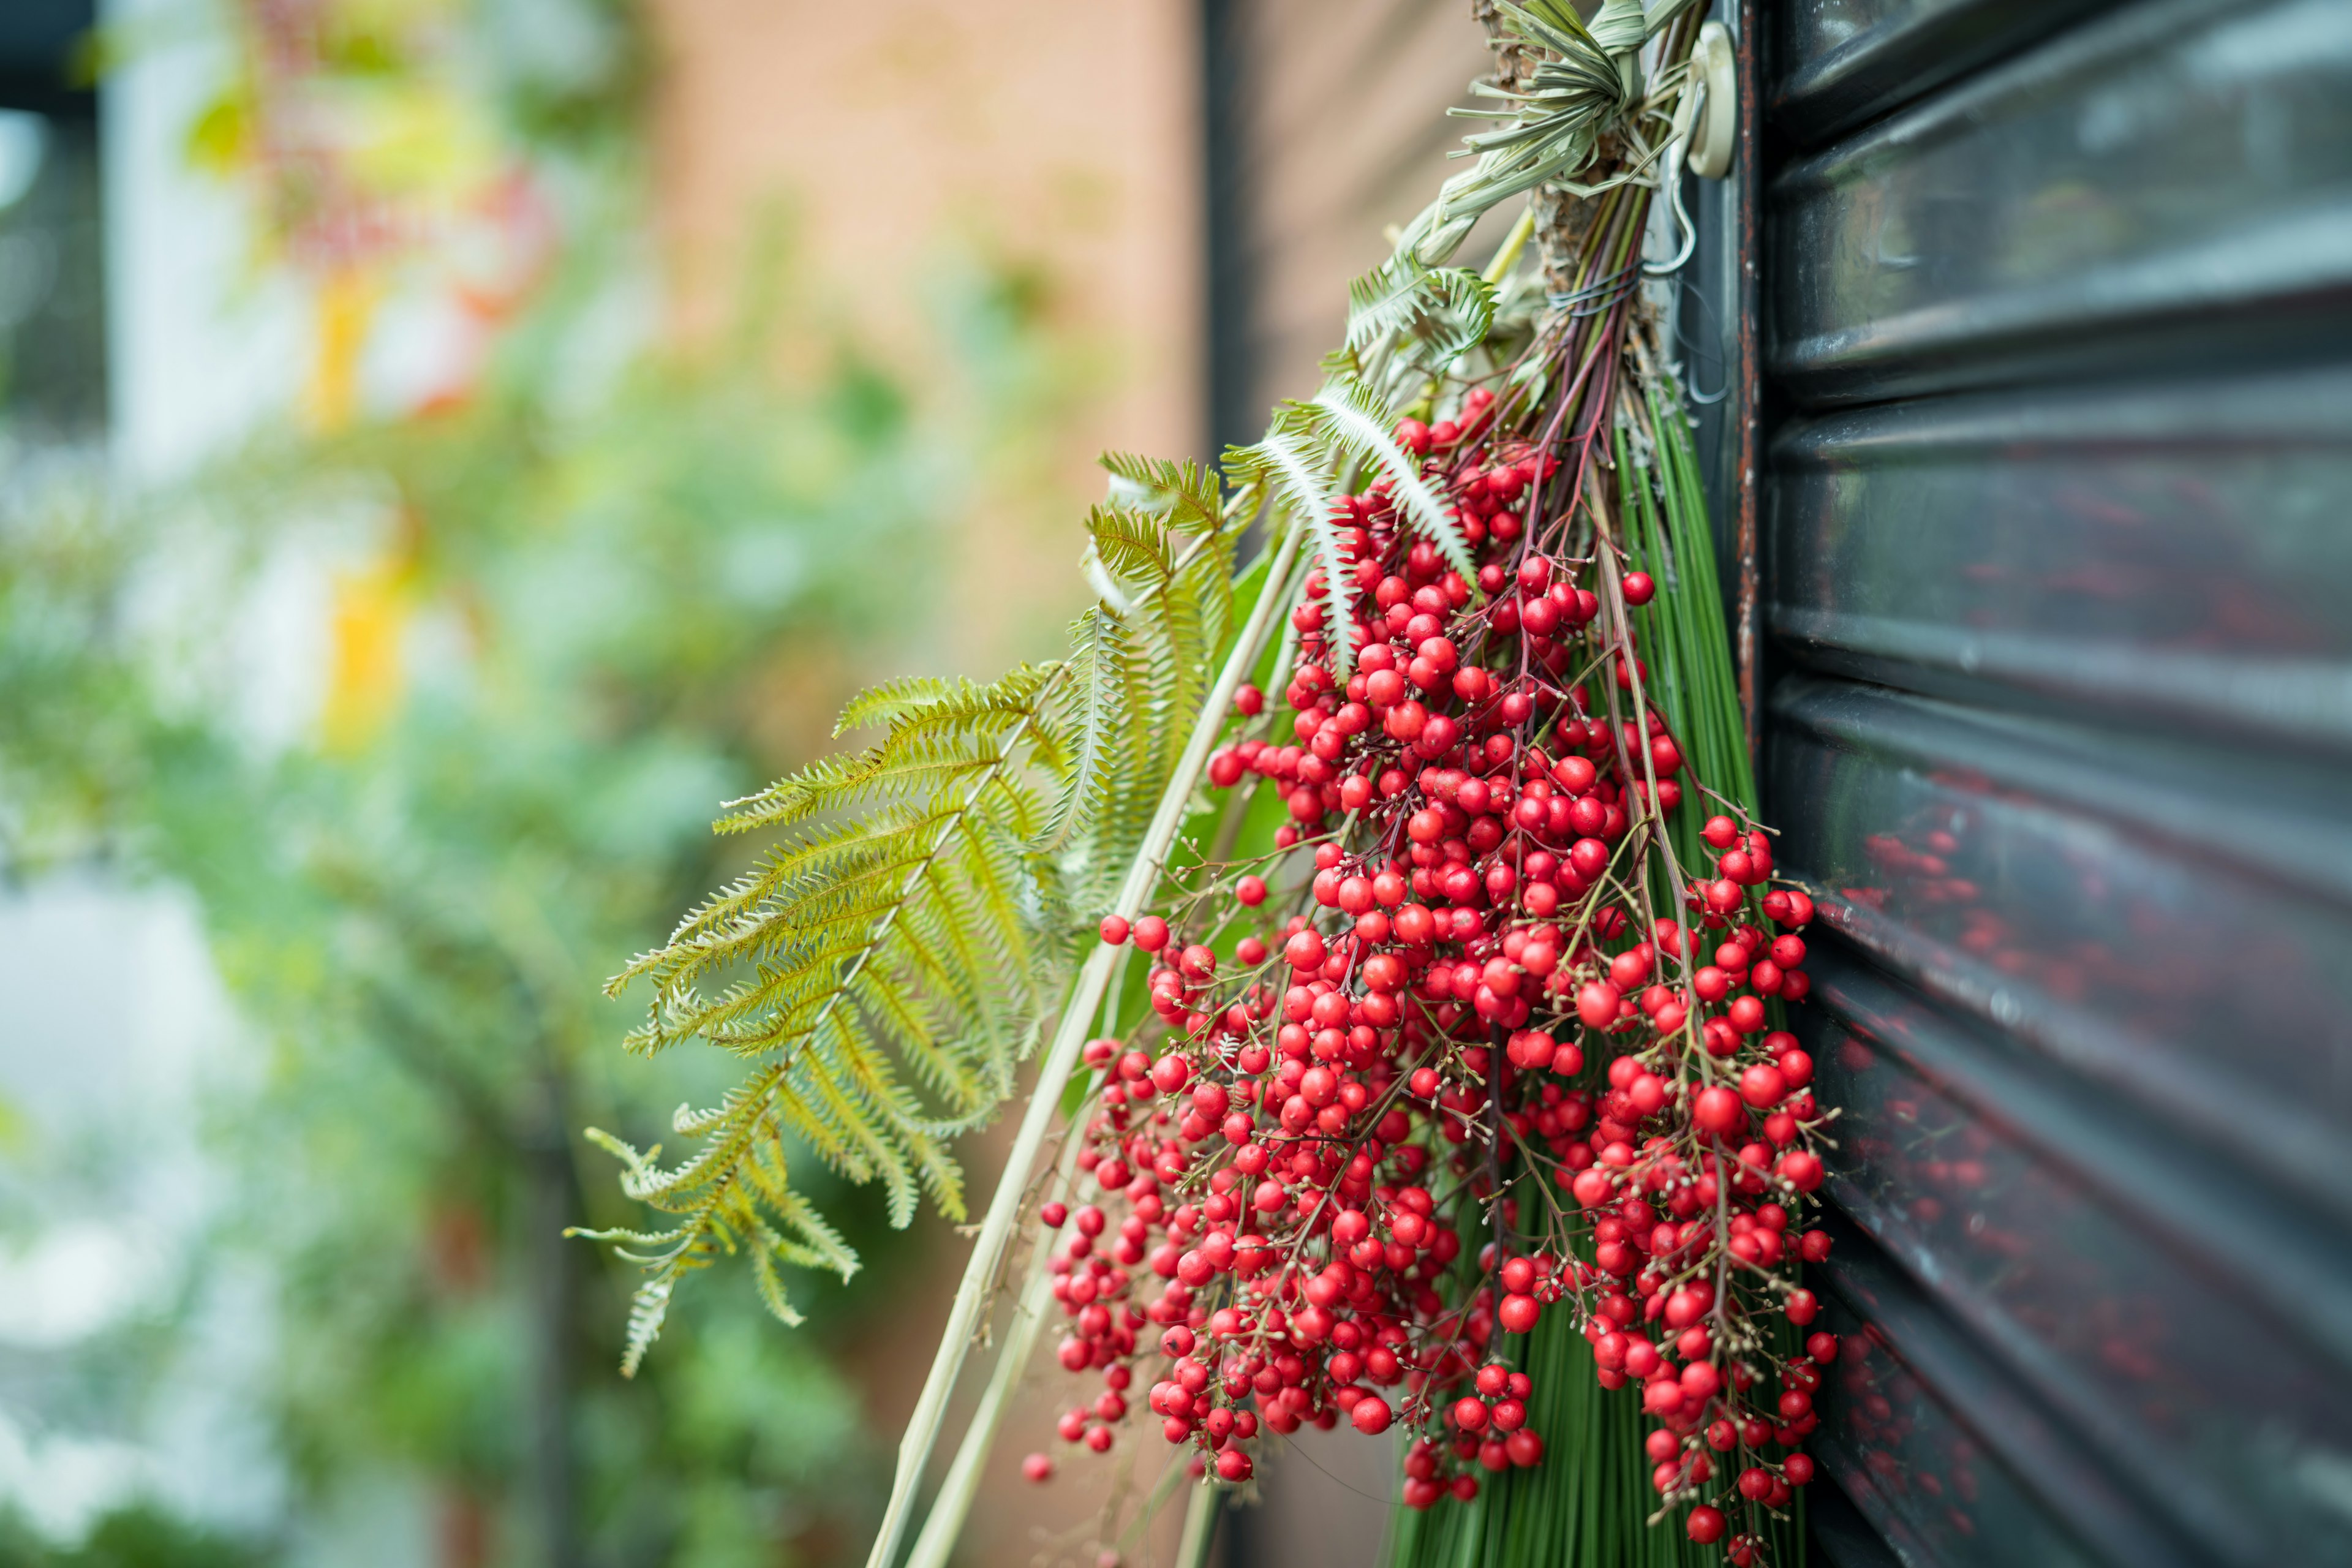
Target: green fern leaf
<point x="887" y="965"/>
<point x="1295" y="466"/>
<point x="1361" y="424"/>
<point x="1448" y="310"/>
<point x="1185" y="492"/>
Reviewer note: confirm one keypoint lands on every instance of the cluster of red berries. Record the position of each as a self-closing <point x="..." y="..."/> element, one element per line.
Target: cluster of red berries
<point x="1502" y="1011"/>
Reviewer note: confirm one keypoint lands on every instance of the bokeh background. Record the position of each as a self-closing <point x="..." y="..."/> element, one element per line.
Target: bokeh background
<point x="446" y="447"/>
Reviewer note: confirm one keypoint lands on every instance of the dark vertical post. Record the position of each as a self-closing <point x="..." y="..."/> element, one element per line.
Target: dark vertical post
<point x="1232" y="416"/>
<point x="1747" y="390"/>
<point x="552" y="1204"/>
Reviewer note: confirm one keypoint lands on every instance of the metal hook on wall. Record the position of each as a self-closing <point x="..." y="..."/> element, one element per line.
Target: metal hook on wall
<point x="1715" y="68"/>
<point x="1704" y="123"/>
<point x="1673" y="184"/>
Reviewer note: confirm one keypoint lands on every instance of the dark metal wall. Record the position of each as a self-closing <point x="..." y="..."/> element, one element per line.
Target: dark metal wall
<point x="2056" y="516"/>
<point x="39" y="69"/>
<point x="2057" y="521"/>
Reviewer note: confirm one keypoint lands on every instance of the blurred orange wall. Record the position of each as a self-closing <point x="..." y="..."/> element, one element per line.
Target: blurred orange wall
<point x="1054" y="134"/>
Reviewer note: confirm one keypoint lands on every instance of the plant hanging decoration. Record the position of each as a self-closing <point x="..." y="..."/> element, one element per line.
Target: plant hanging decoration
<point x="1421" y="1068"/>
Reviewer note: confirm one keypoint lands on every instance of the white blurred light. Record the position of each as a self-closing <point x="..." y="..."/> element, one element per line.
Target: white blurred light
<point x="23" y="141"/>
<point x="69" y="1283"/>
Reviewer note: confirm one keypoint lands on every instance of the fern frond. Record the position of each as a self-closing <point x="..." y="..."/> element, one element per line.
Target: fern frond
<point x="888" y="963"/>
<point x="1099" y="652"/>
<point x="1447" y="309"/>
<point x="1294" y="464"/>
<point x="649" y="1307"/>
<point x="1361" y="424"/>
<point x="1138" y="666"/>
<point x="1185" y="492"/>
<point x="881" y="704"/>
<point x="1170" y="613"/>
<point x="896" y="938"/>
<point x="1132" y="546"/>
<point x="925" y="750"/>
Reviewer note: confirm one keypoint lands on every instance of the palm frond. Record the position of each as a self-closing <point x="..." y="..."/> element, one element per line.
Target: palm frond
<point x="1587" y="78"/>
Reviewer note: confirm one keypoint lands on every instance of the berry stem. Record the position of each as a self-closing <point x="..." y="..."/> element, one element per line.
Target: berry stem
<point x="1077" y="1018"/>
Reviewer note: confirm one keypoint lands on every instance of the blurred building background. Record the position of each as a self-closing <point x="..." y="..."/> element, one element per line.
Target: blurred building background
<point x="446" y="448"/>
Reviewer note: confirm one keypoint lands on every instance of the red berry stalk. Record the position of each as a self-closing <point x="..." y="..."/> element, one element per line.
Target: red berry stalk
<point x="1464" y="1041"/>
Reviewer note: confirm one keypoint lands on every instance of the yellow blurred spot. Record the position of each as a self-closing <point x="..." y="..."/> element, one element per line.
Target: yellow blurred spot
<point x="371" y="611"/>
<point x="221" y="141"/>
<point x="417" y="141"/>
<point x="344" y="305"/>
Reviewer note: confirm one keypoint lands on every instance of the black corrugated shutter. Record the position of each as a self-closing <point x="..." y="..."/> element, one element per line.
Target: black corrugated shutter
<point x="2057" y="518"/>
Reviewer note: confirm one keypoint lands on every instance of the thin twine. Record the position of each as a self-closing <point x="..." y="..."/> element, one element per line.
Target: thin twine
<point x="1691" y="348"/>
<point x="1291" y="1446"/>
<point x="1599" y="295"/>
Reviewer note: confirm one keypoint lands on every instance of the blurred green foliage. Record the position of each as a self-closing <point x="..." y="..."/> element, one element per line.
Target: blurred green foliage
<point x="569" y="615"/>
<point x="614" y="599"/>
<point x="141" y="1535"/>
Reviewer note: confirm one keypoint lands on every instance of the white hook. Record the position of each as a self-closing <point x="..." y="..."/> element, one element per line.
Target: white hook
<point x="1716" y="71"/>
<point x="1670" y="171"/>
<point x="1674" y="182"/>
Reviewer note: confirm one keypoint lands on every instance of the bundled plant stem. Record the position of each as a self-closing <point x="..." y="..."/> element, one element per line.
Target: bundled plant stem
<point x="1432" y="1028"/>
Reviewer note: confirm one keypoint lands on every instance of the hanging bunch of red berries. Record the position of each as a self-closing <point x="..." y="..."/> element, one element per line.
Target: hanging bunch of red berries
<point x="1508" y="1056"/>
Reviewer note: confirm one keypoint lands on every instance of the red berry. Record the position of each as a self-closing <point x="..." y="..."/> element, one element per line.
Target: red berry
<point x="1718" y="1114"/>
<point x="1803" y="1172"/>
<point x="1113" y="930"/>
<point x="1288" y="1158"/>
<point x="1762" y="1086"/>
<point x="1037" y="1468"/>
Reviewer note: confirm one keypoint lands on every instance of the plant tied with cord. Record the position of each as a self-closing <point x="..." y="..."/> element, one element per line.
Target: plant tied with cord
<point x="1435" y="1079"/>
<point x="1479" y="1032"/>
